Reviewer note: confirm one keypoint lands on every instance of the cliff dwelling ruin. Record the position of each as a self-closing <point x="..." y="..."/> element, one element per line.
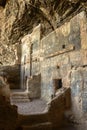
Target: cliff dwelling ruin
<point x="43" y="64"/>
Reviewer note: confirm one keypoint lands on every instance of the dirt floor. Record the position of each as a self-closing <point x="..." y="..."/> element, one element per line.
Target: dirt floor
<point x="33" y="107"/>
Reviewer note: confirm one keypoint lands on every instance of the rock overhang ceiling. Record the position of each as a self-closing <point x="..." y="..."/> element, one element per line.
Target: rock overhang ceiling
<point x="19" y="17"/>
<point x="22" y="16"/>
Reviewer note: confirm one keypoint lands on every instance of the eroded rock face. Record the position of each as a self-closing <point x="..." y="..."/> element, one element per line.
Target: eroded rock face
<point x="4" y="89"/>
<point x="13" y="75"/>
<point x="22" y="16"/>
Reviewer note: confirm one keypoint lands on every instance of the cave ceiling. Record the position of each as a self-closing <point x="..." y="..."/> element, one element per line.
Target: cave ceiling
<point x="20" y="16"/>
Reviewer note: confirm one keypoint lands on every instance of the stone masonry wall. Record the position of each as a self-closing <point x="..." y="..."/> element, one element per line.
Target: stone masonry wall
<point x="30" y="64"/>
<point x="65" y="57"/>
<point x="60" y="56"/>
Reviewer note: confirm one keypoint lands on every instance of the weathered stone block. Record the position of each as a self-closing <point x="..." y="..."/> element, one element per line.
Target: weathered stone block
<point x="75" y="58"/>
<point x="64" y="70"/>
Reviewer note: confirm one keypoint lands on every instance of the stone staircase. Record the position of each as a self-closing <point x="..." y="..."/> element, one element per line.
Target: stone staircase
<point x="19" y="96"/>
<point x="51" y="119"/>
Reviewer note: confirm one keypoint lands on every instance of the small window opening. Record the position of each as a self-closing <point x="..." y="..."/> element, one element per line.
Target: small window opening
<point x="57" y="84"/>
<point x="63" y="46"/>
<point x="58" y="67"/>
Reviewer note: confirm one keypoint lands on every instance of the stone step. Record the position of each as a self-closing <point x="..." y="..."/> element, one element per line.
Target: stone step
<point x="39" y="126"/>
<point x="19" y="97"/>
<point x="19" y="100"/>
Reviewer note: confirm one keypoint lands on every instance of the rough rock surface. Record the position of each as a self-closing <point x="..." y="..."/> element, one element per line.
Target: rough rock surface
<point x="12" y="74"/>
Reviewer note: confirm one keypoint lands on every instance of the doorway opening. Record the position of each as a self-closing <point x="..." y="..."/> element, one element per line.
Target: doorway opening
<point x="57" y="84"/>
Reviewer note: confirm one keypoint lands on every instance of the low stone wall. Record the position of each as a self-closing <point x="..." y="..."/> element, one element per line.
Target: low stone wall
<point x="57" y="107"/>
<point x="34" y="86"/>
